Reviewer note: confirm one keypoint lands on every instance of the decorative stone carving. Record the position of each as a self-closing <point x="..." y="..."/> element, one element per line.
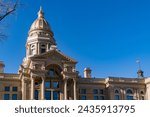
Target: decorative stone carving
<point x="42" y="67"/>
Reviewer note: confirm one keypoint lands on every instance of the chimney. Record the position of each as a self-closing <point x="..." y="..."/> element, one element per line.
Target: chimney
<point x="2" y="67"/>
<point x="87" y="72"/>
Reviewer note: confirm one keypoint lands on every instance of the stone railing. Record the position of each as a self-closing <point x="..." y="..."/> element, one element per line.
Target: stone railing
<point x="11" y="76"/>
<point x="125" y="80"/>
<point x="92" y="80"/>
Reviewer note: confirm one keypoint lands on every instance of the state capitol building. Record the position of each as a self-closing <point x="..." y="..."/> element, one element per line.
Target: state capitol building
<point x="48" y="74"/>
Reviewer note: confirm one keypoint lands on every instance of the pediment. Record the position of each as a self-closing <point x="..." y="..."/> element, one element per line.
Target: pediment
<point x="54" y="55"/>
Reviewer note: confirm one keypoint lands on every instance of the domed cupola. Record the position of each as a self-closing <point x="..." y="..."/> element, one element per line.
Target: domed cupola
<point x="40" y="23"/>
<point x="40" y="36"/>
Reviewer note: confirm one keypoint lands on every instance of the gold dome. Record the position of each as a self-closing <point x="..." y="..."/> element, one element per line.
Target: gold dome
<point x="40" y="23"/>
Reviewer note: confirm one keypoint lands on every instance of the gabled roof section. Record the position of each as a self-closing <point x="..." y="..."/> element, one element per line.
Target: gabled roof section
<point x="51" y="53"/>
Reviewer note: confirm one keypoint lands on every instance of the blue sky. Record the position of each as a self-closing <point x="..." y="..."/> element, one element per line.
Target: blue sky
<point x="106" y="35"/>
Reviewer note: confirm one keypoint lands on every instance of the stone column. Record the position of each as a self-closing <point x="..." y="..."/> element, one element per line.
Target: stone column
<point x="124" y="92"/>
<point x="121" y="94"/>
<point x="110" y="93"/>
<point x="43" y="89"/>
<point x="74" y="89"/>
<point x="38" y="48"/>
<point x="61" y="96"/>
<point x="137" y="96"/>
<point x="65" y="89"/>
<point x="32" y="88"/>
<point x="51" y="94"/>
<point x="28" y="50"/>
<point x="47" y="47"/>
<point x="23" y="89"/>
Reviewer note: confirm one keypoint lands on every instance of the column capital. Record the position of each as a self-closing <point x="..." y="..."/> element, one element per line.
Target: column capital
<point x="66" y="78"/>
<point x="43" y="78"/>
<point x="75" y="79"/>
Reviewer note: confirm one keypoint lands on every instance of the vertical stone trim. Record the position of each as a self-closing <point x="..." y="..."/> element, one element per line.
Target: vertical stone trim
<point x="124" y="93"/>
<point x="136" y="95"/>
<point x="61" y="96"/>
<point x="65" y="89"/>
<point x="47" y="47"/>
<point x="43" y="89"/>
<point x="38" y="48"/>
<point x="28" y="50"/>
<point x="51" y="94"/>
<point x="32" y="88"/>
<point x="121" y="94"/>
<point x="23" y="89"/>
<point x="74" y="89"/>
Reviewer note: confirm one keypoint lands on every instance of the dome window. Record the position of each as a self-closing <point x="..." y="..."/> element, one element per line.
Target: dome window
<point x="40" y="24"/>
<point x="43" y="48"/>
<point x="32" y="52"/>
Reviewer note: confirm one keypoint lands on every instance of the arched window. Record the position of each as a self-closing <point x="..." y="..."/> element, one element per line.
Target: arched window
<point x="116" y="91"/>
<point x="142" y="92"/>
<point x="129" y="91"/>
<point x="117" y="95"/>
<point x="141" y="95"/>
<point x="51" y="72"/>
<point x="54" y="71"/>
<point x="129" y="94"/>
<point x="32" y="52"/>
<point x="53" y="82"/>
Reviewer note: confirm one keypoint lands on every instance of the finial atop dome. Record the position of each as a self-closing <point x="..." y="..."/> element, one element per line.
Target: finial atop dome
<point x="140" y="72"/>
<point x="40" y="13"/>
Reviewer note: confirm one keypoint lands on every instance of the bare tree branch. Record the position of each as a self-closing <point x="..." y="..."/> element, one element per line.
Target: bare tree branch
<point x="6" y="9"/>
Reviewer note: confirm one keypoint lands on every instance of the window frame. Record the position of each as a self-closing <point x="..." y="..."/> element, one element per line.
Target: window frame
<point x="15" y="88"/>
<point x="15" y="97"/>
<point x="5" y="96"/>
<point x="7" y="88"/>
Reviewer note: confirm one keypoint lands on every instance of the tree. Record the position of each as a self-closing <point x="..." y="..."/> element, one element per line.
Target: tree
<point x="6" y="9"/>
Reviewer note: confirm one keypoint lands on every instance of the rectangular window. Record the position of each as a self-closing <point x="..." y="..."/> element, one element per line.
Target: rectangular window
<point x="14" y="96"/>
<point x="36" y="94"/>
<point x="14" y="89"/>
<point x="83" y="97"/>
<point x="101" y="97"/>
<point x="7" y="88"/>
<point x="101" y="91"/>
<point x="95" y="97"/>
<point x="55" y="85"/>
<point x="47" y="84"/>
<point x="55" y="95"/>
<point x="95" y="91"/>
<point x="117" y="97"/>
<point x="83" y="91"/>
<point x="48" y="95"/>
<point x="6" y="96"/>
<point x="129" y="97"/>
<point x="43" y="50"/>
